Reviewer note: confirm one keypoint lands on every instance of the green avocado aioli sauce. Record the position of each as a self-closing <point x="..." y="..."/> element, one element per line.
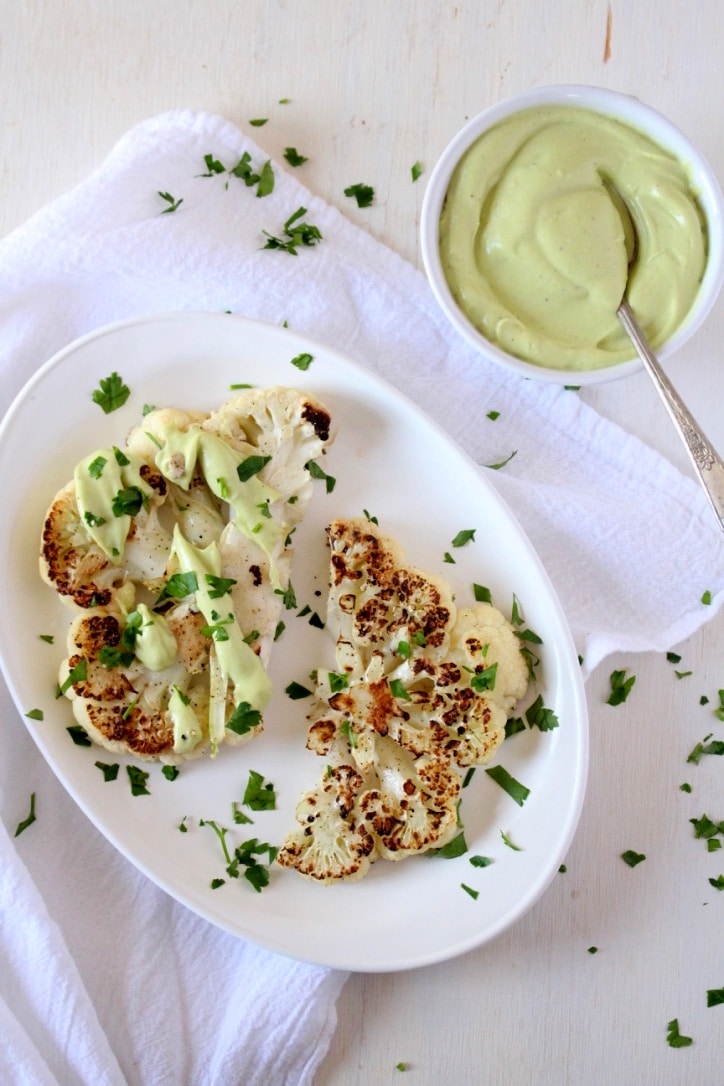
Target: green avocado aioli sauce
<point x="533" y="247"/>
<point x="154" y="645"/>
<point x="238" y="662"/>
<point x="101" y="479"/>
<point x="249" y="498"/>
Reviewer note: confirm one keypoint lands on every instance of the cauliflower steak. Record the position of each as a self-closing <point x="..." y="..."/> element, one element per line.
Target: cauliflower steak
<point x="174" y="553"/>
<point x="422" y="689"/>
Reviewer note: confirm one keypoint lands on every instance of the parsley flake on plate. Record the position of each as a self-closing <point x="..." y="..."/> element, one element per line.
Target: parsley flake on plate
<point x="259" y="794"/>
<point x="111" y="394"/>
<point x="509" y="784"/>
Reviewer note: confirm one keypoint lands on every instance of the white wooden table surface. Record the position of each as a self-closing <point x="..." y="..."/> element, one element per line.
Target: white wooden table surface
<point x="375" y="86"/>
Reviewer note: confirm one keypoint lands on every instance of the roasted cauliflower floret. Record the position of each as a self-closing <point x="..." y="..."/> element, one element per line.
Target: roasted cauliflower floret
<point x="414" y="807"/>
<point x="189" y="526"/>
<point x="332" y="843"/>
<point x="422" y="689"/>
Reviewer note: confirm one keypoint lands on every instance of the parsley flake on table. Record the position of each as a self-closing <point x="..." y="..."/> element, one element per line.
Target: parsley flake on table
<point x="363" y="194"/>
<point x="706" y="598"/>
<point x="173" y="203"/>
<point x="416" y="170"/>
<point x="717" y="883"/>
<point x="259" y="122"/>
<point x="292" y="156"/>
<point x="632" y="858"/>
<point x="501" y="463"/>
<point x="28" y="821"/>
<point x="508" y="783"/>
<point x="675" y="1039"/>
<point x="621" y="686"/>
<point x="714" y="997"/>
<point x="716" y="746"/>
<point x="111" y="394"/>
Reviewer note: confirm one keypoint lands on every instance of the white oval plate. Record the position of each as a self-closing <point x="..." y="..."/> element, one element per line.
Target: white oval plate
<point x="390" y="460"/>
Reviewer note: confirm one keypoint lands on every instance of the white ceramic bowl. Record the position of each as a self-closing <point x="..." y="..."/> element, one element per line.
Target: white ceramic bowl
<point x="636" y="115"/>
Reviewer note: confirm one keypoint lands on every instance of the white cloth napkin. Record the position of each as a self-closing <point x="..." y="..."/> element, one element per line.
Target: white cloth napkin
<point x="103" y="978"/>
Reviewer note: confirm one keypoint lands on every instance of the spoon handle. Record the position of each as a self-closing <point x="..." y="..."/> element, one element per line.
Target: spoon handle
<point x="708" y="465"/>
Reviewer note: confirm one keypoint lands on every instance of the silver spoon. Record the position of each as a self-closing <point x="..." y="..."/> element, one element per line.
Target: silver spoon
<point x="707" y="463"/>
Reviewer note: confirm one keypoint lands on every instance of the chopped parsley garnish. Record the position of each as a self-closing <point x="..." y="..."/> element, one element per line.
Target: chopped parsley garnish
<point x="77" y="674"/>
<point x="95" y="468"/>
<point x="213" y="166"/>
<point x="470" y="773"/>
<point x="173" y="203"/>
<point x="178" y="586"/>
<point x="292" y="156"/>
<point x="259" y="794"/>
<point x="251" y="466"/>
<point x="288" y="595"/>
<point x="416" y="170"/>
<point x="28" y="821"/>
<point x="48" y="638"/>
<point x="266" y="180"/>
<point x="35" y="714"/>
<point x="593" y="950"/>
<point x="398" y="690"/>
<point x="258" y="122"/>
<point x="79" y="735"/>
<point x="303" y="361"/>
<point x="716" y="746"/>
<point x="127" y="502"/>
<point x="484" y="679"/>
<point x="501" y="463"/>
<point x="171" y="772"/>
<point x="714" y="997"/>
<point x="338" y="680"/>
<point x="493" y="415"/>
<point x="509" y="784"/>
<point x="706" y="598"/>
<point x="295" y="233"/>
<point x="346" y="730"/>
<point x="467" y="535"/>
<point x="632" y="858"/>
<point x="295" y="691"/>
<point x="482" y="594"/>
<point x="507" y="841"/>
<point x="675" y="1039"/>
<point x="620" y="687"/>
<point x="111" y="394"/>
<point x="481" y="861"/>
<point x="216" y="883"/>
<point x="219" y="586"/>
<point x="363" y="194"/>
<point x="717" y="883"/>
<point x="138" y="778"/>
<point x="318" y="473"/>
<point x="673" y="657"/>
<point x="474" y="894"/>
<point x="243" y="719"/>
<point x="705" y="828"/>
<point x="539" y="717"/>
<point x="458" y="846"/>
<point x="239" y="816"/>
<point x="93" y="520"/>
<point x="109" y="770"/>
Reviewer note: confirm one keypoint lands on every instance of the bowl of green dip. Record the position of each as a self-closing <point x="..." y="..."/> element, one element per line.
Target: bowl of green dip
<point x="525" y="250"/>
